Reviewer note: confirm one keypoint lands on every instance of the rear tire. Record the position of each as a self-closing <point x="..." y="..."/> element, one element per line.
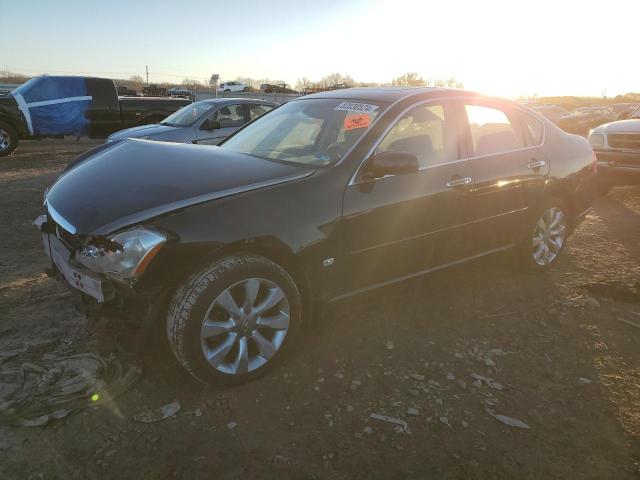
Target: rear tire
<point x="546" y="236"/>
<point x="8" y="139"/>
<point x="234" y="321"/>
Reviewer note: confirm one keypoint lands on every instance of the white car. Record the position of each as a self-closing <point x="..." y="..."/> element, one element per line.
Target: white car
<point x="233" y="87"/>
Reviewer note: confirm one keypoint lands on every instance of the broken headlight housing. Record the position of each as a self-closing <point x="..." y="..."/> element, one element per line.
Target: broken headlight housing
<point x="124" y="256"/>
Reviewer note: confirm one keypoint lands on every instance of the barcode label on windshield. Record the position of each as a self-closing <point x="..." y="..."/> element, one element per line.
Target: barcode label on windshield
<point x="356" y="107"/>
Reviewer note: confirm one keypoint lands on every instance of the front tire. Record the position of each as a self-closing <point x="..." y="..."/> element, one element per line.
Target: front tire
<point x="8" y="139"/>
<point x="233" y="321"/>
<point x="546" y="235"/>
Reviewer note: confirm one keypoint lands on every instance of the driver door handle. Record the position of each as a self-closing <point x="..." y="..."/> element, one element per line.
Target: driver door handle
<point x="458" y="182"/>
<point x="533" y="164"/>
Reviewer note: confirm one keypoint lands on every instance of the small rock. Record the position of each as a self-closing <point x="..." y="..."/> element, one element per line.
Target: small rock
<point x="350" y="408"/>
<point x="417" y="376"/>
<point x="368" y="430"/>
<point x="444" y="420"/>
<point x="489" y="362"/>
<point x="464" y="424"/>
<point x="321" y="380"/>
<point x="231" y="425"/>
<point x="389" y="345"/>
<point x="451" y="376"/>
<point x="584" y="381"/>
<point x="198" y="412"/>
<point x="413" y="392"/>
<point x="462" y="383"/>
<point x="439" y="401"/>
<point x="413" y="411"/>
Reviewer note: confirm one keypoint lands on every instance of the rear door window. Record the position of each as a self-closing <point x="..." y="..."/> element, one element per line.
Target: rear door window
<point x="231" y="116"/>
<point x="256" y="110"/>
<point x="492" y="131"/>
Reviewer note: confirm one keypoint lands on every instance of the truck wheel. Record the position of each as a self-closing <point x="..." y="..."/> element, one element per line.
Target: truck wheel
<point x="8" y="139"/>
<point x="245" y="89"/>
<point x="233" y="321"/>
<point x="546" y="236"/>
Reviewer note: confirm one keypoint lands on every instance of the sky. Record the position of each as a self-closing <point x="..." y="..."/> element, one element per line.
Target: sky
<point x="498" y="47"/>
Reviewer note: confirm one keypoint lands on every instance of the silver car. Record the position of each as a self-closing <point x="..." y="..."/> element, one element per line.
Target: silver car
<point x="205" y="122"/>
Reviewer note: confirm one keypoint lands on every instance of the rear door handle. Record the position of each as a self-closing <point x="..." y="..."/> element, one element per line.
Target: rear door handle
<point x="533" y="164"/>
<point x="458" y="182"/>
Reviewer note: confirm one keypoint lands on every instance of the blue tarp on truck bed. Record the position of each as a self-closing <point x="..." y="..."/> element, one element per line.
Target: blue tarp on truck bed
<point x="55" y="105"/>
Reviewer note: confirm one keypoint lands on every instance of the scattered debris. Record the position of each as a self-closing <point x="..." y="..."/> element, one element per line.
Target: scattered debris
<point x="368" y="430"/>
<point x="162" y="413"/>
<point x="385" y="418"/>
<point x="628" y="322"/>
<point x="36" y="392"/>
<point x="488" y="381"/>
<point x="444" y="420"/>
<point x="417" y="377"/>
<point x="232" y="425"/>
<point x="512" y="422"/>
<point x="584" y="381"/>
<point x="389" y="345"/>
<point x="412" y="412"/>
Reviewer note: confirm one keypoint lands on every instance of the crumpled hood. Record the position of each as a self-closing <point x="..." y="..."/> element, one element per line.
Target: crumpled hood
<point x="135" y="180"/>
<point x="141" y="131"/>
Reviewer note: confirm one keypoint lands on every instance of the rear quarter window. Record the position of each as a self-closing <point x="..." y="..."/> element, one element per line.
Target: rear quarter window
<point x="533" y="129"/>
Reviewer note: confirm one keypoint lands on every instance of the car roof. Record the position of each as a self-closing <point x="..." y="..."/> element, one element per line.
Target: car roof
<point x="389" y="94"/>
<point x="223" y="100"/>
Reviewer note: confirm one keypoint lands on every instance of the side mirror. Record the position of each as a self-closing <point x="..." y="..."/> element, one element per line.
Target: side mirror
<point x="391" y="163"/>
<point x="210" y="124"/>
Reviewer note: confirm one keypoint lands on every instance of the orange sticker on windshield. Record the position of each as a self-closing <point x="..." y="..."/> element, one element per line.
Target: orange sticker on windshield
<point x="359" y="120"/>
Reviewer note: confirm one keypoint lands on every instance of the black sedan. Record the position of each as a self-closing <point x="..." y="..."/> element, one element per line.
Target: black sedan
<point x="228" y="248"/>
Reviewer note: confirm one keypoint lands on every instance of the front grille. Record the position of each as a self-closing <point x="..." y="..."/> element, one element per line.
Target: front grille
<point x="626" y="141"/>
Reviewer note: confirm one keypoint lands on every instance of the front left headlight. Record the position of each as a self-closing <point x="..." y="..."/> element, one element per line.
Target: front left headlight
<point x="596" y="139"/>
<point x="124" y="256"/>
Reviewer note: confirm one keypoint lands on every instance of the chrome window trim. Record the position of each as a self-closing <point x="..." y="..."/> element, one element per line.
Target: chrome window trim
<point x="538" y="117"/>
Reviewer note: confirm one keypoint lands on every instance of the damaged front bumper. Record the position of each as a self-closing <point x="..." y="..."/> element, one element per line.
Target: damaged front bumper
<point x="75" y="275"/>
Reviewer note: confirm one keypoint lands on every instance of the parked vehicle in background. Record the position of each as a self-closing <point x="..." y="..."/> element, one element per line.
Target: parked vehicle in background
<point x="617" y="147"/>
<point x="627" y="112"/>
<point x="179" y="92"/>
<point x="552" y="112"/>
<point x="205" y="122"/>
<point x="53" y="106"/>
<point x="233" y="87"/>
<point x="278" y="88"/>
<point x="154" y="91"/>
<point x="125" y="91"/>
<point x="582" y="119"/>
<point x="323" y="198"/>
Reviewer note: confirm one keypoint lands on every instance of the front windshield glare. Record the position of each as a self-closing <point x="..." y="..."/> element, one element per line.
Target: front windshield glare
<point x="316" y="132"/>
<point x="187" y="115"/>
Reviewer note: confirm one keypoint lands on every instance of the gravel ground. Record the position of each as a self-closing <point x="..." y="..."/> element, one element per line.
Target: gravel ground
<point x="448" y="354"/>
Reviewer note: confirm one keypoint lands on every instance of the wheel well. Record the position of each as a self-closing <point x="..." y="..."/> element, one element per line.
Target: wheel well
<point x="562" y="193"/>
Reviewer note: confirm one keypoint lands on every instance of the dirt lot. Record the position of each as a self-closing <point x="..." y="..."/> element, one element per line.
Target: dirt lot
<point x="565" y="362"/>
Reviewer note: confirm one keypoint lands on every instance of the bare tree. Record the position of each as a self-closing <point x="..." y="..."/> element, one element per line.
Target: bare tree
<point x="136" y="81"/>
<point x="302" y="84"/>
<point x="411" y="78"/>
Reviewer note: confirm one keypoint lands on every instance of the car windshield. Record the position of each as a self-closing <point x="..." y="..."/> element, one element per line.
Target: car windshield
<point x="187" y="115"/>
<point x="315" y="132"/>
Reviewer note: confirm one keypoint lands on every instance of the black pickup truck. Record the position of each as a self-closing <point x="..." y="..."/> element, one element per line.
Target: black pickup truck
<point x="51" y="106"/>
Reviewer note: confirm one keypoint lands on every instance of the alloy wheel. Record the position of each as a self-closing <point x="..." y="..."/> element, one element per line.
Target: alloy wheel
<point x="5" y="140"/>
<point x="245" y="326"/>
<point x="549" y="236"/>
